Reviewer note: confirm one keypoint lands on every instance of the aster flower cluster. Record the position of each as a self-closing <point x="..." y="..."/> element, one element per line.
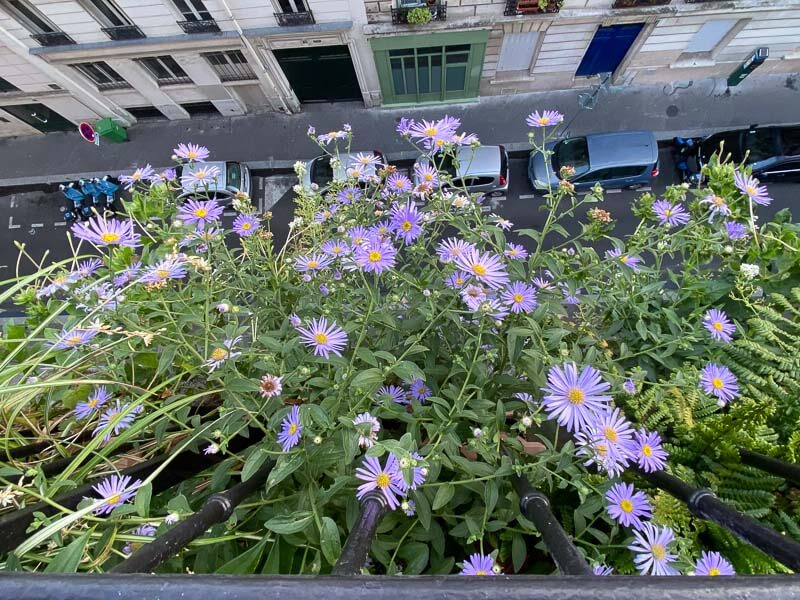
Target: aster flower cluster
<point x="392" y="480"/>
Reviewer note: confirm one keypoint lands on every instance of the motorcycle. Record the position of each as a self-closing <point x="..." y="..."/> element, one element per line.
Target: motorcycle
<point x="684" y="155"/>
<point x="77" y="200"/>
<point x="108" y="189"/>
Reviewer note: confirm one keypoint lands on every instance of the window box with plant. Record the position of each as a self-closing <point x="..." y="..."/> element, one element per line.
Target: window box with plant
<point x="634" y="3"/>
<point x="419" y="13"/>
<point x="531" y="7"/>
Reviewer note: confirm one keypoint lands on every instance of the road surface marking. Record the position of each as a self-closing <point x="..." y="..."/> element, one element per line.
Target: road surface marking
<point x="229" y="213"/>
<point x="60" y="224"/>
<point x="11" y="223"/>
<point x="527" y="196"/>
<point x="645" y="188"/>
<point x="616" y="191"/>
<point x="261" y="183"/>
<point x="13" y="201"/>
<point x="36" y="225"/>
<point x="262" y="200"/>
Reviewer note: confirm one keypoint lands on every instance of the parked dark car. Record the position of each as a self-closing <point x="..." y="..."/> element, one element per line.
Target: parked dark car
<point x="620" y="159"/>
<point x="772" y="152"/>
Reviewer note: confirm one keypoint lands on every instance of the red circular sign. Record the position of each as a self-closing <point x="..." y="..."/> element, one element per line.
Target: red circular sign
<point x="87" y="132"/>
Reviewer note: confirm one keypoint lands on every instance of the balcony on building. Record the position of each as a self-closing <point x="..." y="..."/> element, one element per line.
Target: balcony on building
<point x="532" y="7"/>
<point x="200" y="26"/>
<point x="123" y="32"/>
<point x="635" y="3"/>
<point x="292" y="19"/>
<point x="53" y="38"/>
<point x="438" y="11"/>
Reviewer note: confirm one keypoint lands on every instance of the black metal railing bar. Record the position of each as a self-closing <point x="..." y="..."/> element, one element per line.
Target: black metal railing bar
<point x="203" y="26"/>
<point x="295" y="18"/>
<point x="356" y="547"/>
<point x="216" y="509"/>
<point x="766" y="463"/>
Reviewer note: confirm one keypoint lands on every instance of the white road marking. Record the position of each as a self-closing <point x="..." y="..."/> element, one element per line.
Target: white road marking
<point x="13" y="201"/>
<point x="527" y="196"/>
<point x="11" y="223"/>
<point x="37" y="225"/>
<point x="229" y="213"/>
<point x="261" y="183"/>
<point x="262" y="199"/>
<point x="645" y="188"/>
<point x="615" y="191"/>
<point x="60" y="224"/>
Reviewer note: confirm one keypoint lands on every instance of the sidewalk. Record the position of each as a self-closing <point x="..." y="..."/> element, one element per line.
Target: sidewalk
<point x="276" y="141"/>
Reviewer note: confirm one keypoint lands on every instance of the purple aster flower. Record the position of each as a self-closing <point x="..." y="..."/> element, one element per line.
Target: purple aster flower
<point x="325" y="214"/>
<point x="93" y="402"/>
<point x="547" y="118"/>
<point x="118" y="417"/>
<point x="629" y="387"/>
<point x="115" y="491"/>
<point x="409" y="507"/>
<point x="627" y="506"/>
<point x="191" y="152"/>
<point x="602" y="570"/>
<point x="473" y="296"/>
<point x="324" y="289"/>
<point x="486" y="268"/>
<point x="712" y="564"/>
<point x="571" y="297"/>
<point x="648" y="452"/>
<point x="426" y="173"/>
<point x="519" y="297"/>
<point x="85" y="269"/>
<point x="74" y="338"/>
<point x="651" y="547"/>
<point x="748" y="185"/>
<point x="349" y="195"/>
<point x="291" y="430"/>
<point x="718" y="381"/>
<point x="368" y="428"/>
<point x="386" y="479"/>
<point x="457" y="280"/>
<point x="493" y="308"/>
<point x="542" y="283"/>
<point x="358" y="235"/>
<point x="502" y="223"/>
<point x="313" y="263"/>
<point x="464" y="139"/>
<point x="478" y="564"/>
<point x="327" y="138"/>
<point x="270" y="386"/>
<point x="59" y="282"/>
<point x="418" y="390"/>
<point x="397" y="183"/>
<point x="171" y="267"/>
<point x="720" y="326"/>
<point x="107" y="232"/>
<point x="324" y="338"/>
<point x="376" y="256"/>
<point x="735" y="231"/>
<point x="629" y="261"/>
<point x="418" y="474"/>
<point x="380" y="230"/>
<point x="294" y="320"/>
<point x="336" y="248"/>
<point x="140" y="175"/>
<point x="451" y="248"/>
<point x="515" y="252"/>
<point x="246" y="225"/>
<point x="406" y="221"/>
<point x="393" y="393"/>
<point x="220" y="354"/>
<point x="362" y="160"/>
<point x="607" y="441"/>
<point x="431" y="131"/>
<point x="311" y="130"/>
<point x="717" y="205"/>
<point x="404" y="126"/>
<point x="670" y="214"/>
<point x="211" y="449"/>
<point x="200" y="212"/>
<point x="525" y="397"/>
<point x="145" y="530"/>
<point x="201" y="177"/>
<point x="572" y="398"/>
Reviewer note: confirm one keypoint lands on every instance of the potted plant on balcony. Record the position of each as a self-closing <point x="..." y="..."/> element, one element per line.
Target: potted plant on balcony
<point x="419" y="16"/>
<point x="526" y="7"/>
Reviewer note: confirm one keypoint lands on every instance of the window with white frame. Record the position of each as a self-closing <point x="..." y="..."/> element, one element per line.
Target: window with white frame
<point x="516" y="53"/>
<point x="28" y="16"/>
<point x="106" y="13"/>
<point x="292" y="6"/>
<point x="102" y="75"/>
<point x="709" y="36"/>
<point x="165" y="69"/>
<point x="230" y="65"/>
<point x="192" y="10"/>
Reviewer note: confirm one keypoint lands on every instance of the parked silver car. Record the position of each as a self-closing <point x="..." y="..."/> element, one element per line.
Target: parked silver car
<point x="320" y="171"/>
<point x="481" y="170"/>
<point x="234" y="177"/>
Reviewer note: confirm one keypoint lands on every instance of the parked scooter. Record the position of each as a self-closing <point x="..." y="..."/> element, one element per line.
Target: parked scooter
<point x="77" y="200"/>
<point x="684" y="155"/>
<point x="108" y="190"/>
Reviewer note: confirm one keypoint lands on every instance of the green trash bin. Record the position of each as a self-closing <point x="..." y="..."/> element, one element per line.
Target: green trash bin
<point x="110" y="130"/>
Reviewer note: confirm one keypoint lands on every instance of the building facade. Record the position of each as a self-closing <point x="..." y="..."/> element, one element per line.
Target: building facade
<point x="66" y="61"/>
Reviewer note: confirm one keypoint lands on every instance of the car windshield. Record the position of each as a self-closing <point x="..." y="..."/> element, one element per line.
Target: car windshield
<point x="760" y="143"/>
<point x="234" y="175"/>
<point x="321" y="171"/>
<point x="448" y="166"/>
<point x="572" y="153"/>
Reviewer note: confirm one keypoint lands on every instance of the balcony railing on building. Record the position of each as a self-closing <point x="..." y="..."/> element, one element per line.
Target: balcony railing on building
<point x="234" y="72"/>
<point x="179" y="80"/>
<point x="633" y="3"/>
<point x="113" y="85"/>
<point x="203" y="26"/>
<point x="292" y="19"/>
<point x="532" y="7"/>
<point x="53" y="38"/>
<point x="123" y="32"/>
<point x="438" y="12"/>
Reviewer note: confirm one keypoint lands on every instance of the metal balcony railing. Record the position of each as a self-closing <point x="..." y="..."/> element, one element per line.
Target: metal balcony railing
<point x="167" y="81"/>
<point x="295" y="18"/>
<point x="123" y="32"/>
<point x="204" y="26"/>
<point x="53" y="38"/>
<point x="438" y="13"/>
<point x="634" y="3"/>
<point x="531" y="7"/>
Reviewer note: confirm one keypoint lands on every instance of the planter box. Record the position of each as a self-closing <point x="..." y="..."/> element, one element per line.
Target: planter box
<point x="530" y="7"/>
<point x="634" y="3"/>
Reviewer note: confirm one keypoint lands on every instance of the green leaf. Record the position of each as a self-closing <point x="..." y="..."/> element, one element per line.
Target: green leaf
<point x="142" y="501"/>
<point x="69" y="558"/>
<point x="490" y="496"/>
<point x="423" y="509"/>
<point x="167" y="358"/>
<point x="367" y="356"/>
<point x="287" y="464"/>
<point x="253" y="463"/>
<point x="329" y="540"/>
<point x="286" y="524"/>
<point x="416" y="556"/>
<point x="407" y="371"/>
<point x="245" y="563"/>
<point x="367" y="378"/>
<point x="518" y="551"/>
<point x="443" y="495"/>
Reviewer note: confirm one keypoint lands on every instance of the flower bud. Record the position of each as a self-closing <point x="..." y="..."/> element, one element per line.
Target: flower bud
<point x="318" y="440"/>
<point x="477" y="432"/>
<point x="527" y="421"/>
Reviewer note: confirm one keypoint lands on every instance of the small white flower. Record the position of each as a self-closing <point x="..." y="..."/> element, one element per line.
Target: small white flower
<point x="223" y="307"/>
<point x="496" y="569"/>
<point x="172" y="518"/>
<point x="477" y="432"/>
<point x="177" y="223"/>
<point x="527" y="421"/>
<point x="405" y="505"/>
<point x="728" y="249"/>
<point x="749" y="271"/>
<point x="212" y="448"/>
<point x="426" y="292"/>
<point x="404" y="463"/>
<point x="174" y="157"/>
<point x="424" y="471"/>
<point x="314" y="187"/>
<point x="297" y="189"/>
<point x="318" y="440"/>
<point x="341" y="229"/>
<point x="299" y="168"/>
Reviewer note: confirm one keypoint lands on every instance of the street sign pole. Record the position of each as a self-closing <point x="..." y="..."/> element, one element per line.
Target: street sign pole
<point x="753" y="61"/>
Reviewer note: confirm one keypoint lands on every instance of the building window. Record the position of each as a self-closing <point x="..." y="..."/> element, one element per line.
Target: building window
<point x="516" y="53"/>
<point x="165" y="70"/>
<point x="230" y="65"/>
<point x="293" y="6"/>
<point x="5" y="86"/>
<point x="431" y="73"/>
<point x="709" y="36"/>
<point x="28" y="16"/>
<point x="103" y="76"/>
<point x="106" y="13"/>
<point x="192" y="10"/>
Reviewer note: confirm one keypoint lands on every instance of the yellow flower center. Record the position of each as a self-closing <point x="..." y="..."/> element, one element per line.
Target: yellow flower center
<point x="137" y="175"/>
<point x="720" y="202"/>
<point x="543" y="121"/>
<point x="459" y="281"/>
<point x="717" y="383"/>
<point x="406" y="226"/>
<point x="358" y="240"/>
<point x="321" y="338"/>
<point x="337" y="249"/>
<point x="626" y="505"/>
<point x="431" y="131"/>
<point x="110" y="237"/>
<point x="440" y="143"/>
<point x="518" y="298"/>
<point x="92" y="402"/>
<point x="191" y="155"/>
<point x="601" y="449"/>
<point x="219" y="354"/>
<point x="659" y="552"/>
<point x="751" y="190"/>
<point x="713" y="572"/>
<point x="246" y="225"/>
<point x="200" y="174"/>
<point x="611" y="435"/>
<point x="312" y="264"/>
<point x="668" y="212"/>
<point x="292" y="429"/>
<point x="374" y="256"/>
<point x="200" y="212"/>
<point x="647" y="450"/>
<point x="480" y="572"/>
<point x="479" y="270"/>
<point x="623" y="259"/>
<point x="428" y="177"/>
<point x="332" y="134"/>
<point x="576" y="396"/>
<point x="717" y="325"/>
<point x="383" y="480"/>
<point x="162" y="273"/>
<point x="74" y="340"/>
<point x="113" y="499"/>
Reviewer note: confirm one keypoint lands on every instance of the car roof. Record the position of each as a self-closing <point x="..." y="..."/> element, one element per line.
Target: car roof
<point x="221" y="182"/>
<point x="346" y="158"/>
<point x="622" y="148"/>
<point x="483" y="160"/>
